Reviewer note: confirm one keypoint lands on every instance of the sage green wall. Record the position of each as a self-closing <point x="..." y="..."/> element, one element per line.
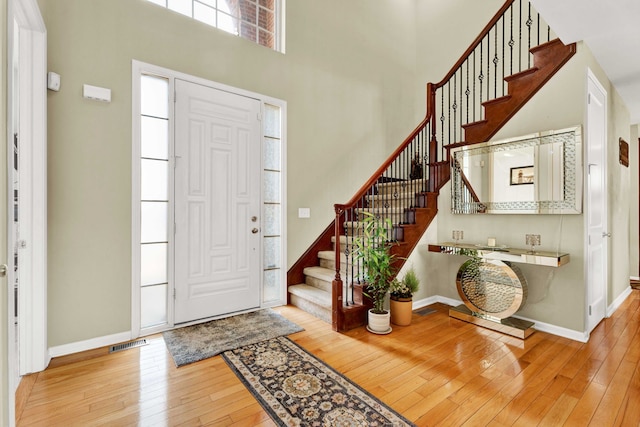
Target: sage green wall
<point x="4" y="332"/>
<point x="556" y="295"/>
<point x="348" y="77"/>
<point x="634" y="201"/>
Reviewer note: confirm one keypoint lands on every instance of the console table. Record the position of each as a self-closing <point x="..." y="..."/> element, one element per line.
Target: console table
<point x="491" y="287"/>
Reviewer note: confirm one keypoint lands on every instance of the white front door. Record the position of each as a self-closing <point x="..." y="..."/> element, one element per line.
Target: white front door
<point x="217" y="202"/>
<point x="596" y="204"/>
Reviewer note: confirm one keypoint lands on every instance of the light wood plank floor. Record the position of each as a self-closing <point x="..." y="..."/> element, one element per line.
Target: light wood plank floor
<point x="438" y="371"/>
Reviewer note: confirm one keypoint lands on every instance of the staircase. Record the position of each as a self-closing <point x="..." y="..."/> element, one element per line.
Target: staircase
<point x="483" y="90"/>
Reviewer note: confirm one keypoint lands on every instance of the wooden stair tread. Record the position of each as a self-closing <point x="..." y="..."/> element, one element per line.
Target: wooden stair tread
<point x="521" y="74"/>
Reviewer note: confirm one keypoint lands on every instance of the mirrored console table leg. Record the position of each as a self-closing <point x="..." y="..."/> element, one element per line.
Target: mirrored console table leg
<point x="492" y="291"/>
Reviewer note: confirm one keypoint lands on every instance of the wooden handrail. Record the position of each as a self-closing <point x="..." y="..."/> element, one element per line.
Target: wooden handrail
<point x="475" y="43"/>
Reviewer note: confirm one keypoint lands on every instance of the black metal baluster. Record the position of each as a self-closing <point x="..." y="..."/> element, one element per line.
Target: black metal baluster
<point x="474" y="85"/>
<point x="441" y="115"/>
<point x="511" y="43"/>
<point x="538" y="28"/>
<point x="520" y="38"/>
<point x="529" y="24"/>
<point x="495" y="63"/>
<point x="488" y="64"/>
<point x="454" y="106"/>
<point x="449" y="112"/>
<point x="467" y="92"/>
<point x="502" y="81"/>
<point x="480" y="78"/>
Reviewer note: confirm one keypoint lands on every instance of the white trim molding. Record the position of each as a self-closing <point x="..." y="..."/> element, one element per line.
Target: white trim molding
<point x="615" y="305"/>
<point x="538" y="326"/>
<point x="90" y="344"/>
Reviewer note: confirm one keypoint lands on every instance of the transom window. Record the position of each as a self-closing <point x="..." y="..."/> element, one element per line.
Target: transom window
<point x="255" y="20"/>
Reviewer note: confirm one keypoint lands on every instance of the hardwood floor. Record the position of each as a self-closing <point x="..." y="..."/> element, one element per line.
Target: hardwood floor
<point x="438" y="371"/>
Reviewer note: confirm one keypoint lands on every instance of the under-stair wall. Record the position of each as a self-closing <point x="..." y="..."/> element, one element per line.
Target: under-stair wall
<point x="512" y="58"/>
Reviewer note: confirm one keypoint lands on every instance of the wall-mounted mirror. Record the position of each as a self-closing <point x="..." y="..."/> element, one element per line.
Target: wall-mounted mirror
<point x="533" y="174"/>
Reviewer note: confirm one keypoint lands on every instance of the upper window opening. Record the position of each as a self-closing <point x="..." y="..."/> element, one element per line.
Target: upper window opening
<point x="255" y="20"/>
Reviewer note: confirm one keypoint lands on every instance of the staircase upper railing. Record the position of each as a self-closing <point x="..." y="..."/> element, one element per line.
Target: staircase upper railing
<point x="421" y="163"/>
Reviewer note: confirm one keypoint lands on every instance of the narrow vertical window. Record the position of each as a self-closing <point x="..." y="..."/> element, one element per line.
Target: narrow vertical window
<point x="272" y="208"/>
<point x="154" y="200"/>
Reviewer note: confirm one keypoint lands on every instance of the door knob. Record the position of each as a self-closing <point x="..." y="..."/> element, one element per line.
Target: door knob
<point x="3" y="270"/>
<point x="254" y="230"/>
<point x="605" y="234"/>
<point x="254" y="218"/>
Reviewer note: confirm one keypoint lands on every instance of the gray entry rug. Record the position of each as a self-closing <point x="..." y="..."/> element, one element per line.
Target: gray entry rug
<point x="193" y="343"/>
<point x="297" y="389"/>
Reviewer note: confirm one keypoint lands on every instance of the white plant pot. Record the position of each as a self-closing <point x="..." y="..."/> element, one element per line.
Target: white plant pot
<point x="379" y="323"/>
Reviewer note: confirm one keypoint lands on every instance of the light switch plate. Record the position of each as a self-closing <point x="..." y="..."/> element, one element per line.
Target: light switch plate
<point x="304" y="212"/>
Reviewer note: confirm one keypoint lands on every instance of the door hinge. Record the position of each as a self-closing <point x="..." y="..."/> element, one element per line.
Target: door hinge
<point x="589" y="310"/>
<point x="174" y="228"/>
<point x="589" y="99"/>
<point x="174" y="293"/>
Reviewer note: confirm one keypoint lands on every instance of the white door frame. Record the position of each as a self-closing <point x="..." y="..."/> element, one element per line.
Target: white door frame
<point x="32" y="297"/>
<point x="592" y="79"/>
<point x="137" y="69"/>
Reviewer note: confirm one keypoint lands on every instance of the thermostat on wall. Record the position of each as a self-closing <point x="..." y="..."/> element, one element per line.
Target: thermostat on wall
<point x="96" y="93"/>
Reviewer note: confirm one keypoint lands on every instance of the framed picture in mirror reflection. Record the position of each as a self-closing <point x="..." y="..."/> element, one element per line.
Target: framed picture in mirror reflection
<point x="521" y="175"/>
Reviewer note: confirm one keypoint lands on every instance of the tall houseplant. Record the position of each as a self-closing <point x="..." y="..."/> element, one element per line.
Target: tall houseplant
<point x="376" y="261"/>
<point x="402" y="298"/>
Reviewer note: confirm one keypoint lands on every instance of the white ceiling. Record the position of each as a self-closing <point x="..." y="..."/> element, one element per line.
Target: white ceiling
<point x="611" y="29"/>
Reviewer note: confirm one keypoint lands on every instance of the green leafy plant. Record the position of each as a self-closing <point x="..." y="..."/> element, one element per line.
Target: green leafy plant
<point x="372" y="250"/>
<point x="406" y="287"/>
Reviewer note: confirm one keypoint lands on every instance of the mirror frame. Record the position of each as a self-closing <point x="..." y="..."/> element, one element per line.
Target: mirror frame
<point x="572" y="175"/>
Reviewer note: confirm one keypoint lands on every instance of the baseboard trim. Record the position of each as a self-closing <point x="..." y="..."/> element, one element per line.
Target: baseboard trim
<point x="93" y="343"/>
<point x="618" y="301"/>
<point x="557" y="330"/>
<point x="539" y="326"/>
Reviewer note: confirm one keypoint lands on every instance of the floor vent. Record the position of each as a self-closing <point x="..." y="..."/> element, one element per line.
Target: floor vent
<point x="127" y="345"/>
<point x="424" y="311"/>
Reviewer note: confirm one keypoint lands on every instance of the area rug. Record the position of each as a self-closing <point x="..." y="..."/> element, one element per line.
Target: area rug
<point x="297" y="389"/>
<point x="193" y="343"/>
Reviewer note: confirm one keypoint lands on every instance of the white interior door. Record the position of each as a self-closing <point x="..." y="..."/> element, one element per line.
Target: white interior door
<point x="217" y="202"/>
<point x="596" y="204"/>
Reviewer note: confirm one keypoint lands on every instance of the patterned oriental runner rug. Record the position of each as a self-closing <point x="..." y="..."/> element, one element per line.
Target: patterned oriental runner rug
<point x="193" y="343"/>
<point x="297" y="389"/>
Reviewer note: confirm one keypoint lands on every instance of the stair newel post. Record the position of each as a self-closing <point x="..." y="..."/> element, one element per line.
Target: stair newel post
<point x="337" y="317"/>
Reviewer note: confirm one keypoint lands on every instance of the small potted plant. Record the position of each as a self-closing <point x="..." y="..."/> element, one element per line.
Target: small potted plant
<point x="372" y="251"/>
<point x="402" y="298"/>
